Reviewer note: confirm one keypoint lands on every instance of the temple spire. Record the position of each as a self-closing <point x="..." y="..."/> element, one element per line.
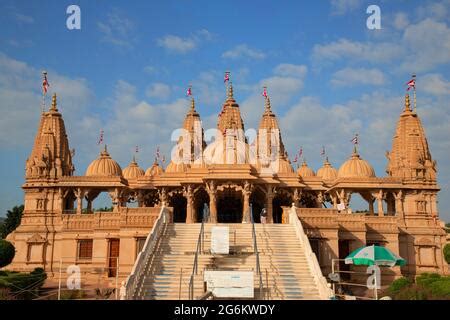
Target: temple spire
<point x="54" y="103"/>
<point x="230" y="92"/>
<point x="407" y="103"/>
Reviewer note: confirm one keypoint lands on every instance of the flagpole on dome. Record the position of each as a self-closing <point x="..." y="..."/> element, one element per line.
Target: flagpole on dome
<point x="414" y="88"/>
<point x="45" y="86"/>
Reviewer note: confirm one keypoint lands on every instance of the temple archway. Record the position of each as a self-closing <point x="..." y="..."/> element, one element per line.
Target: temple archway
<point x="200" y="198"/>
<point x="282" y="198"/>
<point x="229" y="206"/>
<point x="179" y="204"/>
<point x="258" y="201"/>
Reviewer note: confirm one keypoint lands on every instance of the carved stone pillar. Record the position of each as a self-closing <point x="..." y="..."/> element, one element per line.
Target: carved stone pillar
<point x="189" y="194"/>
<point x="163" y="197"/>
<point x="297" y="196"/>
<point x="79" y="193"/>
<point x="319" y="199"/>
<point x="212" y="192"/>
<point x="246" y="192"/>
<point x="371" y="211"/>
<point x="334" y="198"/>
<point x="379" y="197"/>
<point x="140" y="198"/>
<point x="398" y="196"/>
<point x="115" y="198"/>
<point x="269" y="204"/>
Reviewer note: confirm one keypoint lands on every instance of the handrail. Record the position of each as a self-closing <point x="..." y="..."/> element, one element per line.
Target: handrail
<point x="255" y="249"/>
<point x="143" y="261"/>
<point x="199" y="248"/>
<point x="325" y="291"/>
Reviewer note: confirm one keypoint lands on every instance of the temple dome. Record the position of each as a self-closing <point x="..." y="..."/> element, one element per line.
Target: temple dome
<point x="327" y="172"/>
<point x="154" y="170"/>
<point x="355" y="167"/>
<point x="133" y="171"/>
<point x="305" y="171"/>
<point x="284" y="166"/>
<point x="104" y="166"/>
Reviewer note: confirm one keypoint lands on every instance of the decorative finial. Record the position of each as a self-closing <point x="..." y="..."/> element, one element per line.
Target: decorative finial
<point x="54" y="103"/>
<point x="267" y="104"/>
<point x="407" y="103"/>
<point x="230" y="91"/>
<point x="134" y="159"/>
<point x="192" y="105"/>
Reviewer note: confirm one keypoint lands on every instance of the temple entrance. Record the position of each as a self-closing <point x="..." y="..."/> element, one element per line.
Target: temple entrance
<point x="258" y="201"/>
<point x="179" y="204"/>
<point x="201" y="197"/>
<point x="282" y="199"/>
<point x="229" y="206"/>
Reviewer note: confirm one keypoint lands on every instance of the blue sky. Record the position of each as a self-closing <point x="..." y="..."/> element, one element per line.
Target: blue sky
<point x="126" y="72"/>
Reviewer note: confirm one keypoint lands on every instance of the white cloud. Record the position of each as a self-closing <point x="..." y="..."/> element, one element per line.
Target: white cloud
<point x="357" y="76"/>
<point x="181" y="45"/>
<point x="177" y="44"/>
<point x="364" y="51"/>
<point x="243" y="51"/>
<point x="428" y="45"/>
<point x="286" y="69"/>
<point x="340" y="7"/>
<point x="158" y="90"/>
<point x="435" y="84"/>
<point x="117" y="29"/>
<point x="21" y="101"/>
<point x="22" y="18"/>
<point x="401" y="21"/>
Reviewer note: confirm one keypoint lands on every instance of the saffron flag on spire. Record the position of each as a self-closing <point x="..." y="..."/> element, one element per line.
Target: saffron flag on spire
<point x="227" y="77"/>
<point x="137" y="149"/>
<point x="411" y="83"/>
<point x="322" y="153"/>
<point x="100" y="139"/>
<point x="265" y="92"/>
<point x="157" y="153"/>
<point x="300" y="152"/>
<point x="355" y="139"/>
<point x="296" y="158"/>
<point x="189" y="91"/>
<point x="45" y="83"/>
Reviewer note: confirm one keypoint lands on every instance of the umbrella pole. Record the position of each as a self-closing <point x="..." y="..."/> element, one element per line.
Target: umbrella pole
<point x="376" y="290"/>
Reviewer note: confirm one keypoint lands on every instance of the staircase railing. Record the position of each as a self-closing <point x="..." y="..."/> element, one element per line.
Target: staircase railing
<point x="255" y="249"/>
<point x="200" y="246"/>
<point x="144" y="259"/>
<point x="325" y="291"/>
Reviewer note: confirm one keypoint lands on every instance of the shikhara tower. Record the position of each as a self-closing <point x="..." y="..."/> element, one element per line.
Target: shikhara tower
<point x="60" y="219"/>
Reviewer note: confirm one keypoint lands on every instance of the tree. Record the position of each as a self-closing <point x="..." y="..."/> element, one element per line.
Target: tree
<point x="7" y="253"/>
<point x="12" y="221"/>
<point x="447" y="253"/>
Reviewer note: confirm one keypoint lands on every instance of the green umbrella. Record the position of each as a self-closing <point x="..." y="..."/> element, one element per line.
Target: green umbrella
<point x="371" y="255"/>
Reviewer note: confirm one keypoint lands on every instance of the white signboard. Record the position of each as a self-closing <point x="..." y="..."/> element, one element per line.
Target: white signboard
<point x="341" y="206"/>
<point x="230" y="284"/>
<point x="220" y="240"/>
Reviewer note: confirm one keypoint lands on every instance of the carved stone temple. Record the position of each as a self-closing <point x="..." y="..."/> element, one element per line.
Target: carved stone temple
<point x="61" y="223"/>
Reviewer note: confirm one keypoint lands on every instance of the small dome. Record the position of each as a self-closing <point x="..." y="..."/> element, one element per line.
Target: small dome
<point x="133" y="171"/>
<point x="176" y="167"/>
<point x="355" y="167"/>
<point x="305" y="171"/>
<point x="284" y="166"/>
<point x="154" y="170"/>
<point x="104" y="166"/>
<point x="327" y="172"/>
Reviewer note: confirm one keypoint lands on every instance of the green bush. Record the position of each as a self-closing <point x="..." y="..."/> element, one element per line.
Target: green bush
<point x="428" y="286"/>
<point x="447" y="253"/>
<point x="7" y="253"/>
<point x="398" y="285"/>
<point x="23" y="285"/>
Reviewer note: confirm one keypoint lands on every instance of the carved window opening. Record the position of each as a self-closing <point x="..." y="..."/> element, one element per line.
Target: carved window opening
<point x="85" y="249"/>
